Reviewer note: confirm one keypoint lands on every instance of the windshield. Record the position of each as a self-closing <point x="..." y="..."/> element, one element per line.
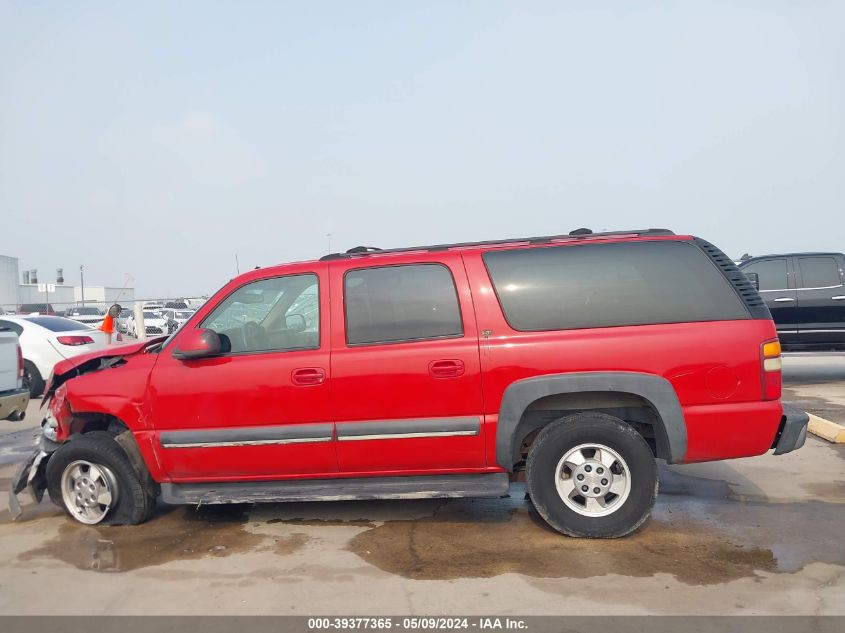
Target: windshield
<point x="184" y="314"/>
<point x="152" y="315"/>
<point x="84" y="311"/>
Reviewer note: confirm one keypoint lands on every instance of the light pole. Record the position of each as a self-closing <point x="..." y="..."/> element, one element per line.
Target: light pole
<point x="82" y="283"/>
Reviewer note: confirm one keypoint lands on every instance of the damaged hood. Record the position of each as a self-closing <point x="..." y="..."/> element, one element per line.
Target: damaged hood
<point x="83" y="363"/>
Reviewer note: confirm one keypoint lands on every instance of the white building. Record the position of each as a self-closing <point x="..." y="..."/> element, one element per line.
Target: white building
<point x="13" y="293"/>
<point x="9" y="280"/>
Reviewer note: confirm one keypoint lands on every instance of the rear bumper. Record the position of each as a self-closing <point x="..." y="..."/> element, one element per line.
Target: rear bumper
<point x="13" y="404"/>
<point x="792" y="432"/>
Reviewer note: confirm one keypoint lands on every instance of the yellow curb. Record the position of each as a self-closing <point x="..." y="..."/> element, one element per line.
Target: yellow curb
<point x="827" y="430"/>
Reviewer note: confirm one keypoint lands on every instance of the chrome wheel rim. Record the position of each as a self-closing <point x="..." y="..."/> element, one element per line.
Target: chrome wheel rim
<point x="593" y="480"/>
<point x="89" y="491"/>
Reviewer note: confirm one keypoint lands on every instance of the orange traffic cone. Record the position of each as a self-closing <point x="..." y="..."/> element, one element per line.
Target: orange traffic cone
<point x="107" y="326"/>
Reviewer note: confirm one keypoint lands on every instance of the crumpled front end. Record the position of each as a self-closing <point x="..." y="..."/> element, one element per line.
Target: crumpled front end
<point x="32" y="477"/>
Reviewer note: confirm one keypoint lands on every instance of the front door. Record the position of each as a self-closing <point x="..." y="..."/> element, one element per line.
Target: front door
<point x="406" y="382"/>
<point x="261" y="410"/>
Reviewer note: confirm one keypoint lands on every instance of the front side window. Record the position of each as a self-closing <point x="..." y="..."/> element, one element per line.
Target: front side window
<point x="771" y="273"/>
<point x="819" y="272"/>
<point x="277" y="314"/>
<point x="391" y="304"/>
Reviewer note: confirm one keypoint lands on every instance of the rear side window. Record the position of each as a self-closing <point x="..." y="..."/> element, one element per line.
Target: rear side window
<point x="606" y="285"/>
<point x="401" y="303"/>
<point x="819" y="272"/>
<point x="771" y="273"/>
<point x="58" y="324"/>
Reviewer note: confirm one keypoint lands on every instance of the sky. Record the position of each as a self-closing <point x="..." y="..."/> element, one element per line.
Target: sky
<point x="162" y="139"/>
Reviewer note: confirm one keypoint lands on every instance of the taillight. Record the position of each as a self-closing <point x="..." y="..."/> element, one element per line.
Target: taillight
<point x="771" y="365"/>
<point x="20" y="362"/>
<point x="74" y="340"/>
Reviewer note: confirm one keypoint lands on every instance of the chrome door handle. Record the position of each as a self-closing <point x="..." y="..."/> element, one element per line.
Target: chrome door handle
<point x="783" y="299"/>
<point x="838" y="297"/>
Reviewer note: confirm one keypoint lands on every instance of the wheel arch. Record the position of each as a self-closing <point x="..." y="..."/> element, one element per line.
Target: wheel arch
<point x="653" y="397"/>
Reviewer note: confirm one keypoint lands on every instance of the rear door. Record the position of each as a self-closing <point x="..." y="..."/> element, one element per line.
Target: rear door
<point x="821" y="300"/>
<point x="777" y="289"/>
<point x="406" y="381"/>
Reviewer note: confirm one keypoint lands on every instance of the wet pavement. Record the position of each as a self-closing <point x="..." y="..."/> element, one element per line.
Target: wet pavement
<point x="757" y="535"/>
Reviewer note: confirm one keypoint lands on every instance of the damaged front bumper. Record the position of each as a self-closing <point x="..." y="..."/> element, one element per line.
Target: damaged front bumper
<point x="32" y="477"/>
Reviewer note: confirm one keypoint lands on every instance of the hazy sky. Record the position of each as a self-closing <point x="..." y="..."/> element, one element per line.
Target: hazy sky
<point x="159" y="139"/>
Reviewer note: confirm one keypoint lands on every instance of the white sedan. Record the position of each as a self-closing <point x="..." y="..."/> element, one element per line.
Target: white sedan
<point x="47" y="340"/>
<point x="154" y="322"/>
<point x="89" y="315"/>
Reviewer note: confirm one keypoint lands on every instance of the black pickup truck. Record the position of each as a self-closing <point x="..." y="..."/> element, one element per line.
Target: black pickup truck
<point x="805" y="293"/>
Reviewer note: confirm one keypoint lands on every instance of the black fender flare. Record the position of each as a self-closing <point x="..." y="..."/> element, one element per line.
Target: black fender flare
<point x="656" y="390"/>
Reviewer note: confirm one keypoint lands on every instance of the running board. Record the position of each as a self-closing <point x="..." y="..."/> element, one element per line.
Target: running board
<point x="361" y="488"/>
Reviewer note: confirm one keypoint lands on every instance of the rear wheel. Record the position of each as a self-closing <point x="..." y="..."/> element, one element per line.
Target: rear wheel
<point x="91" y="477"/>
<point x="592" y="475"/>
<point x="32" y="380"/>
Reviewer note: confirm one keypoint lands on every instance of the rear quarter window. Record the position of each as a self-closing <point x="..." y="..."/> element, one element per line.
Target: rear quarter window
<point x="607" y="285"/>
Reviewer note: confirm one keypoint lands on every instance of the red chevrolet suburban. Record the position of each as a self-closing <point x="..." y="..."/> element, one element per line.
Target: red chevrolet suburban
<point x="436" y="371"/>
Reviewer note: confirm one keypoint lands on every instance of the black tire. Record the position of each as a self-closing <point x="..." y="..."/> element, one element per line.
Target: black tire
<point x="561" y="436"/>
<point x="33" y="380"/>
<point x="135" y="503"/>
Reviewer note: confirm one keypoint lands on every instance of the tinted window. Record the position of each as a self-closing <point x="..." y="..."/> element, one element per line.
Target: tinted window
<point x="36" y="307"/>
<point x="819" y="272"/>
<point x="58" y="324"/>
<point x="14" y="327"/>
<point x="401" y="303"/>
<point x="772" y="273"/>
<point x="84" y="312"/>
<point x="278" y="314"/>
<point x="604" y="285"/>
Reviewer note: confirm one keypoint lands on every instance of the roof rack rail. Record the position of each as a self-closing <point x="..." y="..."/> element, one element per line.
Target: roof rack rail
<point x="578" y="234"/>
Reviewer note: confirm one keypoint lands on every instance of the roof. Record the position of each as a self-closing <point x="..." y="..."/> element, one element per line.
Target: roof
<point x="803" y="254"/>
<point x="577" y="235"/>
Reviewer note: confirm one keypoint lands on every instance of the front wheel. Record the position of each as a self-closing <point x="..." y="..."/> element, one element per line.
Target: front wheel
<point x="592" y="475"/>
<point x="91" y="477"/>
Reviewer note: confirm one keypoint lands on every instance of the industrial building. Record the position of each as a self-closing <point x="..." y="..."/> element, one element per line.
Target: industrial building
<point x="18" y="287"/>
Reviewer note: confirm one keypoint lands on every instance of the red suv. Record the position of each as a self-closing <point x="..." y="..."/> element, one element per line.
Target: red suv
<point x="437" y="371"/>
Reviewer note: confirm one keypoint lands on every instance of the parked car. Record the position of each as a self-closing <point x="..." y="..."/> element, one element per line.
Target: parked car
<point x="437" y="371"/>
<point x="47" y="340"/>
<point x="89" y="315"/>
<point x="155" y="324"/>
<point x="123" y="319"/>
<point x="177" y="318"/>
<point x="37" y="308"/>
<point x="805" y="293"/>
<point x="13" y="395"/>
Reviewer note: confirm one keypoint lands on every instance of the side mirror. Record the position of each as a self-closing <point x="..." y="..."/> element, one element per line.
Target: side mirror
<point x="295" y="323"/>
<point x="754" y="278"/>
<point x="198" y="343"/>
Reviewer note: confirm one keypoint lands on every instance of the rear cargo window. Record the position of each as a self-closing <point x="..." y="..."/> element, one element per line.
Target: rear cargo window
<point x="58" y="324"/>
<point x="606" y="285"/>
